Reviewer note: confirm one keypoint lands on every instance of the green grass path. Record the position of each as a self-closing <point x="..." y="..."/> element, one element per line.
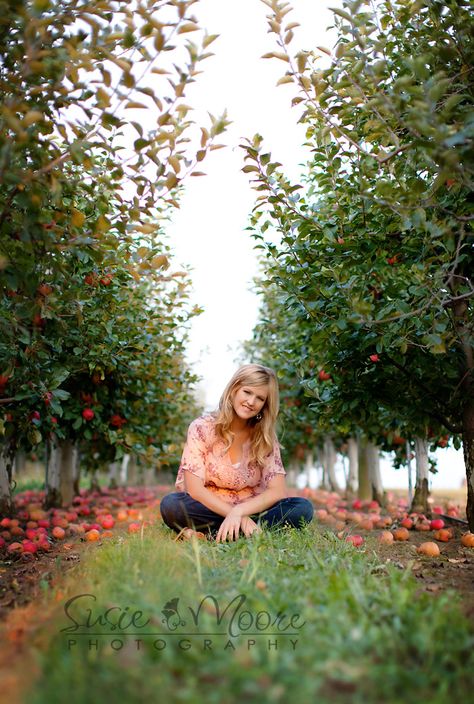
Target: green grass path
<point x="363" y="633"/>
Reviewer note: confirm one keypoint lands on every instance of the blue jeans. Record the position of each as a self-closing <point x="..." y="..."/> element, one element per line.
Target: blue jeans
<point x="179" y="510"/>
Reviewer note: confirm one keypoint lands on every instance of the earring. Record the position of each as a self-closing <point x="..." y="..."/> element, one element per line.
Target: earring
<point x="258" y="417"/>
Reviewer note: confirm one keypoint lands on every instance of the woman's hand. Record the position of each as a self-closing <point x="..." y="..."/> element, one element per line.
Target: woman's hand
<point x="249" y="526"/>
<point x="230" y="526"/>
<point x="233" y="522"/>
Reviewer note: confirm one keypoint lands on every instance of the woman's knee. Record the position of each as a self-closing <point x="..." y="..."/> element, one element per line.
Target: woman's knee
<point x="169" y="506"/>
<point x="306" y="509"/>
<point x="301" y="510"/>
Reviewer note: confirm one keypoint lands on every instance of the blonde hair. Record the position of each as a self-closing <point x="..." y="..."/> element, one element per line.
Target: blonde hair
<point x="263" y="436"/>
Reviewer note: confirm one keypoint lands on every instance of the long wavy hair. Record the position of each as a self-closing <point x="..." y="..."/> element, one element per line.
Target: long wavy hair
<point x="263" y="435"/>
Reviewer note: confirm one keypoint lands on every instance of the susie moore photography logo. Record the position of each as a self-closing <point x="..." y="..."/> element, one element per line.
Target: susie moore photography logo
<point x="209" y="624"/>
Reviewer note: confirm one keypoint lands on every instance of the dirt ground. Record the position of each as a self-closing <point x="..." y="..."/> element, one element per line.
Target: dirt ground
<point x="24" y="577"/>
<point x="454" y="569"/>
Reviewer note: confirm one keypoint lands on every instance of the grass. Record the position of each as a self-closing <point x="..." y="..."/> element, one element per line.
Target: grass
<point x="364" y="633"/>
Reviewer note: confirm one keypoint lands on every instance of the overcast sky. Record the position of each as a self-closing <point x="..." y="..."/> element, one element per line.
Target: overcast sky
<point x="208" y="232"/>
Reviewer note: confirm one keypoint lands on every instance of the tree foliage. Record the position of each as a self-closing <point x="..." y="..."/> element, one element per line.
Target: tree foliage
<point x="95" y="142"/>
<point x="374" y="248"/>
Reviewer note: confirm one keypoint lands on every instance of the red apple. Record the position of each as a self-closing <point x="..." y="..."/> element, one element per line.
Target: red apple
<point x="386" y="537"/>
<point x="44" y="544"/>
<point x="58" y="533"/>
<point x="30" y="547"/>
<point x="38" y="321"/>
<point x="95" y="526"/>
<point x="107" y="521"/>
<point x="15" y="548"/>
<point x="17" y="530"/>
<point x="45" y="289"/>
<point x="47" y="398"/>
<point x="117" y="421"/>
<point x="88" y="414"/>
<point x="437" y="524"/>
<point x="356" y="540"/>
<point x="90" y="279"/>
<point x="398" y="440"/>
<point x="443" y="535"/>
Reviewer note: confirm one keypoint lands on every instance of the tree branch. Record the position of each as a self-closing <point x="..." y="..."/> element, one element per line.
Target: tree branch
<point x="439" y="416"/>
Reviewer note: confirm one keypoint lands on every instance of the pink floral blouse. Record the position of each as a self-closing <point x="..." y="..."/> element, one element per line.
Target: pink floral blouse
<point x="204" y="455"/>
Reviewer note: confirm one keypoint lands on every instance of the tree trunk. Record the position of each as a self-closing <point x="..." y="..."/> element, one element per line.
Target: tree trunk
<point x="124" y="470"/>
<point x="52" y="497"/>
<point x="66" y="473"/>
<point x="292" y="473"/>
<point x="463" y="329"/>
<point x="323" y="482"/>
<point x="141" y="473"/>
<point x="329" y="462"/>
<point x="113" y="475"/>
<point x="94" y="485"/>
<point x="20" y="462"/>
<point x="6" y="503"/>
<point x="373" y="462"/>
<point x="364" y="491"/>
<point x="420" y="500"/>
<point x="166" y="476"/>
<point x="409" y="470"/>
<point x="132" y="471"/>
<point x="344" y="469"/>
<point x="76" y="468"/>
<point x="468" y="449"/>
<point x="308" y="466"/>
<point x="353" y="466"/>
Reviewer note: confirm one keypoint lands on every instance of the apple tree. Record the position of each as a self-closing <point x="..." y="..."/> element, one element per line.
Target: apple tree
<point x="376" y="241"/>
<point x="95" y="142"/>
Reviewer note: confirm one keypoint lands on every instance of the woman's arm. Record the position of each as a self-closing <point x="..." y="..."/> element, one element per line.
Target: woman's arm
<point x="196" y="489"/>
<point x="275" y="492"/>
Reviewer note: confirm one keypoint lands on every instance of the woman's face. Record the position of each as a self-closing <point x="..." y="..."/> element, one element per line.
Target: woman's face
<point x="249" y="400"/>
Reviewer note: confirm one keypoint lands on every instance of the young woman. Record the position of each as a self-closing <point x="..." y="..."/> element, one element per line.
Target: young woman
<point x="231" y="477"/>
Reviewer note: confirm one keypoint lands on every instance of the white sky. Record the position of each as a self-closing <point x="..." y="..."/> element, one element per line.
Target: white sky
<point x="208" y="232"/>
